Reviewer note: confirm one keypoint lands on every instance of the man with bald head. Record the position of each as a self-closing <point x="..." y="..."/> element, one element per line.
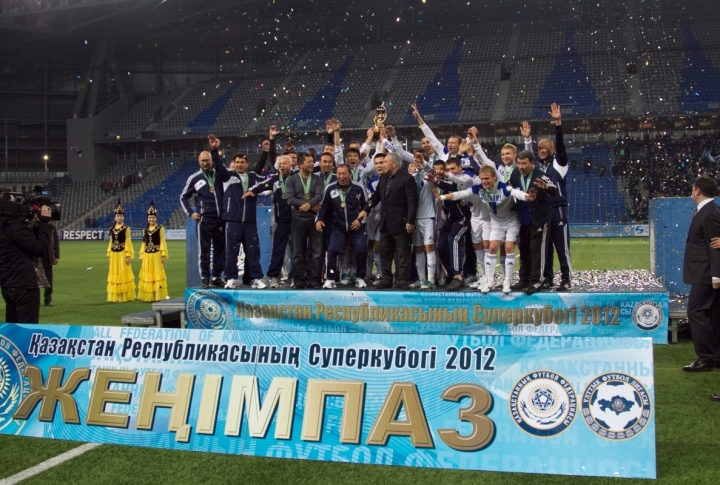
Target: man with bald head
<point x="282" y="215"/>
<point x="208" y="192"/>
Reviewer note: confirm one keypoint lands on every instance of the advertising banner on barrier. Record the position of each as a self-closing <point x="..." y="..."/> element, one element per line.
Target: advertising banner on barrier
<point x="554" y="405"/>
<point x="84" y="235"/>
<point x="639" y="314"/>
<point x="609" y="230"/>
<point x="175" y="234"/>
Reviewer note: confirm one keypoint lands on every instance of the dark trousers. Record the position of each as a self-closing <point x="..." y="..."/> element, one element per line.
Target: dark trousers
<point x="22" y="305"/>
<point x="211" y="231"/>
<point x="450" y="246"/>
<point x="305" y="238"/>
<point x="338" y="238"/>
<point x="245" y="233"/>
<point x="327" y="231"/>
<point x="703" y="310"/>
<point x="560" y="240"/>
<point x="281" y="236"/>
<point x="533" y="240"/>
<point x="48" y="267"/>
<point x="470" y="266"/>
<point x="397" y="247"/>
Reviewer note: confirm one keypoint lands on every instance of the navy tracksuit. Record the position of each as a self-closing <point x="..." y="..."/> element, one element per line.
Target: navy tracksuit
<point x="282" y="215"/>
<point x="457" y="223"/>
<point x="240" y="221"/>
<point x="211" y="227"/>
<point x="343" y="216"/>
<point x="534" y="222"/>
<point x="559" y="238"/>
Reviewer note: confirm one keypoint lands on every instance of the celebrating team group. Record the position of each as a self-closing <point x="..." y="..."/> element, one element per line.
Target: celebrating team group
<point x="441" y="216"/>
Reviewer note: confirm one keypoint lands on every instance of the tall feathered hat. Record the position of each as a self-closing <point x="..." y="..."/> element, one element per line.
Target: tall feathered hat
<point x="151" y="210"/>
<point x="119" y="208"/>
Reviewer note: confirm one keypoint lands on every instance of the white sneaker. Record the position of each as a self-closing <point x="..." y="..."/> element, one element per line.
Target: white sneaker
<point x="377" y="282"/>
<point x="428" y="285"/>
<point x="485" y="287"/>
<point x="506" y="286"/>
<point x="360" y="283"/>
<point x="274" y="283"/>
<point x="416" y="284"/>
<point x="329" y="284"/>
<point x="258" y="284"/>
<point x="478" y="283"/>
<point x="442" y="280"/>
<point x="470" y="280"/>
<point x="230" y="284"/>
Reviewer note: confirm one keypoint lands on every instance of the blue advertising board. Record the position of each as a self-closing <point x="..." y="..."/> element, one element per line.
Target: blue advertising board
<point x="553" y="405"/>
<point x="609" y="230"/>
<point x="599" y="314"/>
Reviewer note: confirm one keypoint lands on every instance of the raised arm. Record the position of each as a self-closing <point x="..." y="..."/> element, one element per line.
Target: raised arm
<point x="437" y="146"/>
<point x="218" y="164"/>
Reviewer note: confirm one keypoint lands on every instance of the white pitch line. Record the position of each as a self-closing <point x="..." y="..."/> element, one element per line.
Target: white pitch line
<point x="46" y="465"/>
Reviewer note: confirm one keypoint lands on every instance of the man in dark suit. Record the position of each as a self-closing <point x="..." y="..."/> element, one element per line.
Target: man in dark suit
<point x="701" y="269"/>
<point x="397" y="192"/>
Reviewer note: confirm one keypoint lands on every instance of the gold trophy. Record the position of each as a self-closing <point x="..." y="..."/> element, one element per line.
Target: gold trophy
<point x="379" y="119"/>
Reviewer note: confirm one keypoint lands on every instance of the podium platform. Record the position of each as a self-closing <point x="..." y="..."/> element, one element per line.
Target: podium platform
<point x="613" y="312"/>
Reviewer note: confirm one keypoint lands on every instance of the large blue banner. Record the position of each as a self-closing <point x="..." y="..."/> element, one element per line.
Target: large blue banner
<point x="556" y="405"/>
<point x="600" y="314"/>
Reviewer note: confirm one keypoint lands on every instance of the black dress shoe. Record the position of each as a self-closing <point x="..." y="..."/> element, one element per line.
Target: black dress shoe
<point x="715" y="397"/>
<point x="314" y="285"/>
<point x="534" y="288"/>
<point x="49" y="303"/>
<point x="519" y="286"/>
<point x="383" y="285"/>
<point x="546" y="285"/>
<point x="564" y="286"/>
<point x="699" y="366"/>
<point x="300" y="285"/>
<point x="402" y="285"/>
<point x="206" y="283"/>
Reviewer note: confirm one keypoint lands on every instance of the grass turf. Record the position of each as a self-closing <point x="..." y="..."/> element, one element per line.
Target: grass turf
<point x="687" y="427"/>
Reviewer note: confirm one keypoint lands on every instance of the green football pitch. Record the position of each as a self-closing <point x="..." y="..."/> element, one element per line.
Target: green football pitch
<point x="687" y="423"/>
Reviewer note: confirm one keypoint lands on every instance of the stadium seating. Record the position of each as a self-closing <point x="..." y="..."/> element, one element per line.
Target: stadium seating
<point x="139" y="116"/>
<point x="700" y="85"/>
<point x="594" y="199"/>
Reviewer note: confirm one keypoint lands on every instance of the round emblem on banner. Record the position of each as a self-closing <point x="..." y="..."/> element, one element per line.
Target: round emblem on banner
<point x="647" y="315"/>
<point x="543" y="403"/>
<point x="616" y="406"/>
<point x="205" y="309"/>
<point x="14" y="386"/>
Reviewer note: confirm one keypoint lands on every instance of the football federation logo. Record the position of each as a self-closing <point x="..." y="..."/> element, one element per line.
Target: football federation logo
<point x="647" y="315"/>
<point x="543" y="403"/>
<point x="616" y="406"/>
<point x="14" y="386"/>
<point x="207" y="310"/>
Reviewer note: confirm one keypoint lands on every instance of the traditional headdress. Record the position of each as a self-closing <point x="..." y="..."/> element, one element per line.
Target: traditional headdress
<point x="119" y="208"/>
<point x="151" y="210"/>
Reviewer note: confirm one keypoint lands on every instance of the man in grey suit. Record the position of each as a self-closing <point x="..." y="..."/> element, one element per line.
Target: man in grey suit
<point x="701" y="269"/>
<point x="397" y="191"/>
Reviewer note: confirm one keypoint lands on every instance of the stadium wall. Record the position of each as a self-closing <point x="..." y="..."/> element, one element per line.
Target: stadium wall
<point x="87" y="160"/>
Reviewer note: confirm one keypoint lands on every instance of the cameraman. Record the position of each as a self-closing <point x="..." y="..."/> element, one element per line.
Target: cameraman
<point x="20" y="243"/>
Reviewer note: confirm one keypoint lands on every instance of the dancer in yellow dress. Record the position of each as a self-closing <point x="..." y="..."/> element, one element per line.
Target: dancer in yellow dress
<point x="152" y="284"/>
<point x="121" y="280"/>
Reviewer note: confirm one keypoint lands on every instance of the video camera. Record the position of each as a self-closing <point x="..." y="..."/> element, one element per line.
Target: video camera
<point x="26" y="205"/>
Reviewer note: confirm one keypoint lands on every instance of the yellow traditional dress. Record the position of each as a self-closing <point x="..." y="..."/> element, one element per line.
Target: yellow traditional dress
<point x="121" y="280"/>
<point x="152" y="284"/>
